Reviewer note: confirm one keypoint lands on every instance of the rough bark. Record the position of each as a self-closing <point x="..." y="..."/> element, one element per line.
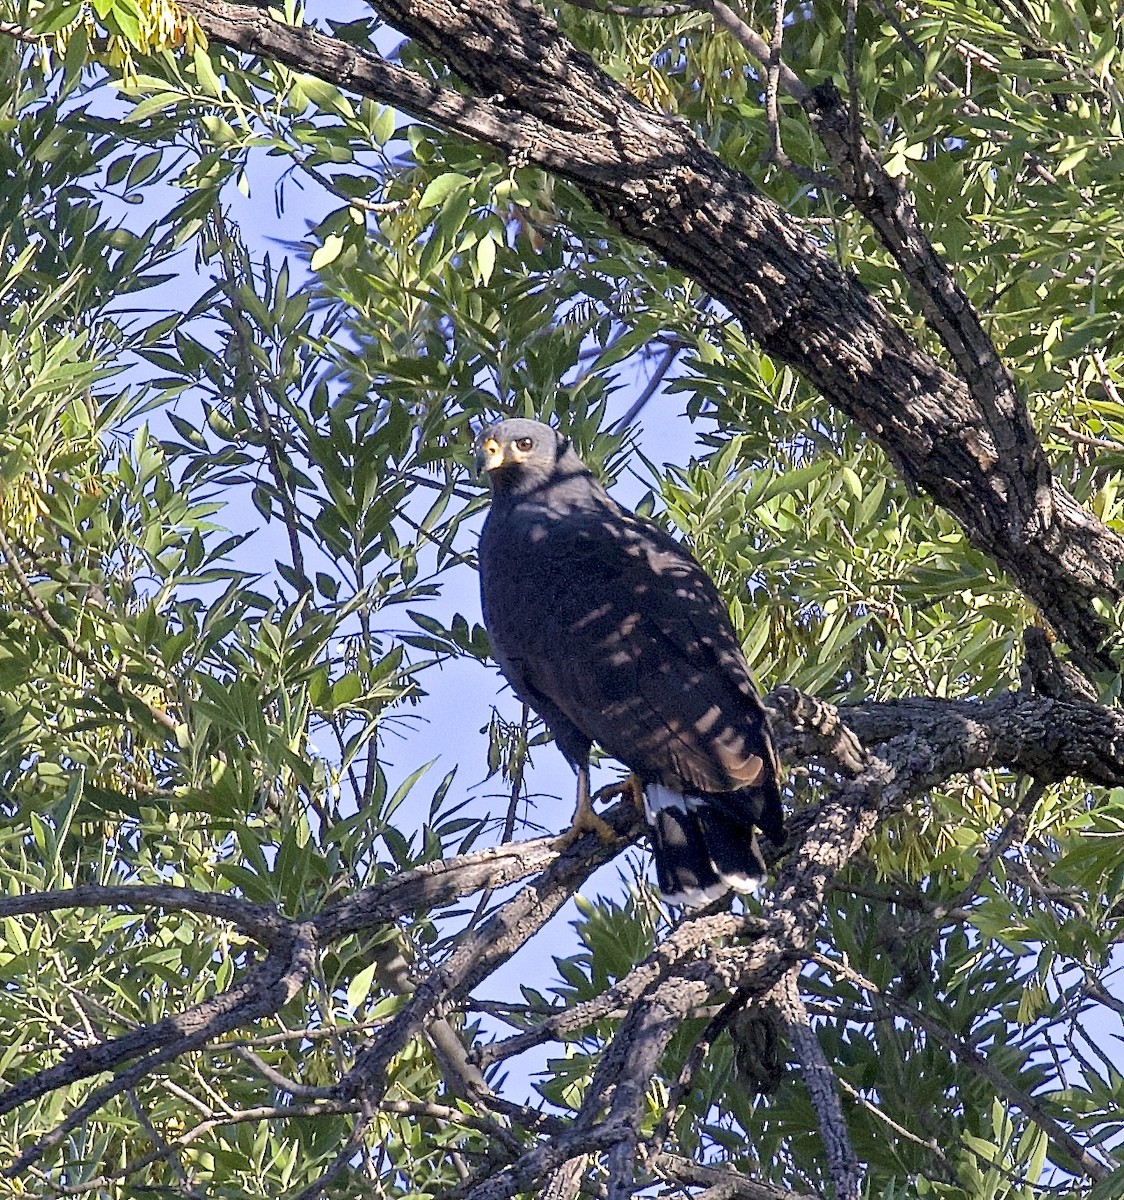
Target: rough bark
<point x="819" y="1079"/>
<point x="968" y="441"/>
<point x="880" y="755"/>
<point x="539" y="99"/>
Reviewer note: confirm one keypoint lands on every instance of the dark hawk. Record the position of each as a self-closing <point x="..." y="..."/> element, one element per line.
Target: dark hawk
<point x="613" y="633"/>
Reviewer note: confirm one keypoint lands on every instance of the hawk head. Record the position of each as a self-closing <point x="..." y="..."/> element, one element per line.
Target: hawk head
<point x="519" y="454"/>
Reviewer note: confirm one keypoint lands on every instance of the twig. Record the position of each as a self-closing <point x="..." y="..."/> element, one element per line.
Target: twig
<point x="309" y="1033"/>
<point x="302" y="1091"/>
<point x="1098" y="993"/>
<point x="674" y="348"/>
<point x="967" y="104"/>
<point x="21" y="34"/>
<point x="270" y="986"/>
<point x="496" y="940"/>
<point x="463" y="1076"/>
<point x="772" y="81"/>
<point x="1085" y="439"/>
<point x="889" y="1121"/>
<point x="683" y="940"/>
<point x="652" y="386"/>
<point x="1011" y="832"/>
<point x="722" y="1183"/>
<point x="354" y="1142"/>
<point x="246" y="368"/>
<point x="1105" y="376"/>
<point x="515" y="794"/>
<point x="162" y="1148"/>
<point x="259" y="921"/>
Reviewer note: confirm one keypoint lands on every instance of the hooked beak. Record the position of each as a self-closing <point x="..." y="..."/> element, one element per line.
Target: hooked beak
<point x="489" y="455"/>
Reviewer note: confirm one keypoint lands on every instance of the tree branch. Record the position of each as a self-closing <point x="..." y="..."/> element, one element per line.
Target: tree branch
<point x="910" y="745"/>
<point x="268" y="988"/>
<point x="819" y="1079"/>
<point x="547" y="103"/>
<point x="722" y="1183"/>
<point x="683" y="940"/>
<point x="481" y="953"/>
<point x="438" y="883"/>
<point x="886" y="204"/>
<point x="260" y="921"/>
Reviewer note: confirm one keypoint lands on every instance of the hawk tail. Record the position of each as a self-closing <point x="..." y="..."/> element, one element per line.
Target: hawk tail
<point x="700" y="850"/>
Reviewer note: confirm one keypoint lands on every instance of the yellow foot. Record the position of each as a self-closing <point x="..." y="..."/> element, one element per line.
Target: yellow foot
<point x="585" y="820"/>
<point x="629" y="788"/>
<point x="588" y="822"/>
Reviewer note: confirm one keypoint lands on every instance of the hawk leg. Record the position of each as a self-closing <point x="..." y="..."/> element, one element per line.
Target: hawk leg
<point x="585" y="819"/>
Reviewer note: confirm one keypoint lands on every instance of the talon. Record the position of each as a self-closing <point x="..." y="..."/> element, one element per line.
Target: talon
<point x="583" y="823"/>
<point x="630" y="788"/>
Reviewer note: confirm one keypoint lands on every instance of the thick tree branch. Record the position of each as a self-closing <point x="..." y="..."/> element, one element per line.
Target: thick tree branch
<point x="259" y="921"/>
<point x="269" y="985"/>
<point x="542" y="1160"/>
<point x="829" y="836"/>
<point x="564" y="1183"/>
<point x="541" y="100"/>
<point x="1046" y="738"/>
<point x="481" y="953"/>
<point x="906" y="747"/>
<point x="435" y="884"/>
<point x="886" y="204"/>
<point x="835" y="831"/>
<point x="680" y="942"/>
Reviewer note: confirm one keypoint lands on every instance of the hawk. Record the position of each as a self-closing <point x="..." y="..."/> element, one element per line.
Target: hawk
<point x="611" y="631"/>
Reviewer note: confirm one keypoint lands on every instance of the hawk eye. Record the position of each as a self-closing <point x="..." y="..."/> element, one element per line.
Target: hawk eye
<point x="523" y="444"/>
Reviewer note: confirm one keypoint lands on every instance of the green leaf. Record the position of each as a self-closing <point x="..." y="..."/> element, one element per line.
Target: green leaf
<point x="441" y="188"/>
<point x="327" y="253"/>
<point x="360" y="987"/>
<point x="485" y="259"/>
